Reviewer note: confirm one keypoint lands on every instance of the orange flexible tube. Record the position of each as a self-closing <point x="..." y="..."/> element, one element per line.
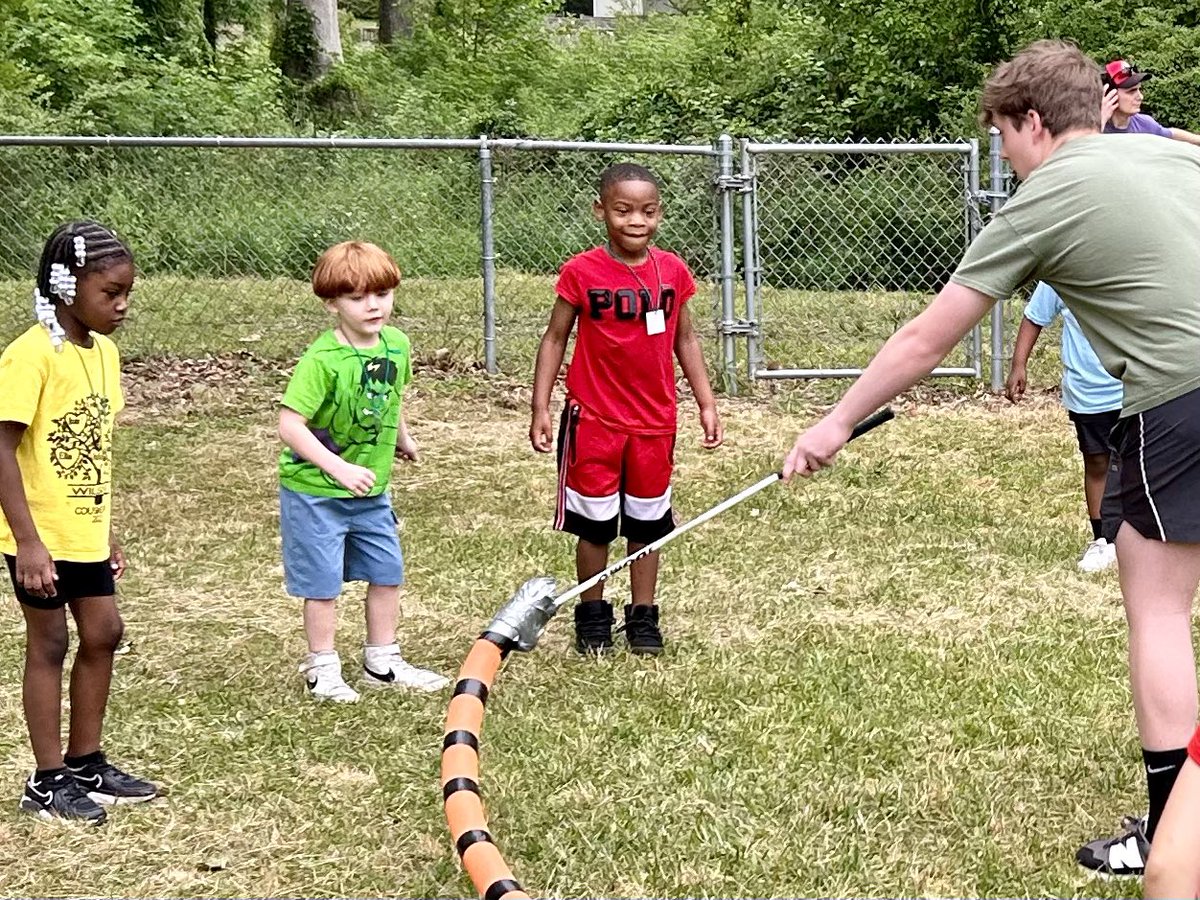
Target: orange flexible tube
<point x="460" y="772"/>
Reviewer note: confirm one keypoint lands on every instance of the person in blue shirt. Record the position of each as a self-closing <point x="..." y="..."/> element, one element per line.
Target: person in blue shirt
<point x="1092" y="398"/>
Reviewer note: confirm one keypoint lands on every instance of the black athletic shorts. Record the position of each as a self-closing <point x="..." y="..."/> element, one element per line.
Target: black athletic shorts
<point x="1093" y="429"/>
<point x="75" y="580"/>
<point x="1154" y="479"/>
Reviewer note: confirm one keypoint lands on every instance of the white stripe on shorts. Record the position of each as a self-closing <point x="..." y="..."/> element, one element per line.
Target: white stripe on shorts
<point x="1162" y="535"/>
<point x="597" y="509"/>
<point x="648" y="509"/>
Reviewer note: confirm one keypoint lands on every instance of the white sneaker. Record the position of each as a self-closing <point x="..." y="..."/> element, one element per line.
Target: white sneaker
<point x="323" y="674"/>
<point x="385" y="667"/>
<point x="1098" y="556"/>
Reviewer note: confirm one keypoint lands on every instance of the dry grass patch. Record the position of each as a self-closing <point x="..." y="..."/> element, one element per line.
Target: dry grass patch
<point x="888" y="680"/>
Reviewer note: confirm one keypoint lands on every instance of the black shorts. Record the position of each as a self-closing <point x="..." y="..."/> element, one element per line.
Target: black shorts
<point x="75" y="580"/>
<point x="1154" y="479"/>
<point x="1093" y="430"/>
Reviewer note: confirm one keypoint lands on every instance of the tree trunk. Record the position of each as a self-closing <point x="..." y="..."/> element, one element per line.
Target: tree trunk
<point x="327" y="39"/>
<point x="210" y="23"/>
<point x="395" y="20"/>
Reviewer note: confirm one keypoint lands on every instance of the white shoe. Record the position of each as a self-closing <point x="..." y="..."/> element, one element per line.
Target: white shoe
<point x="385" y="667"/>
<point x="323" y="674"/>
<point x="1098" y="556"/>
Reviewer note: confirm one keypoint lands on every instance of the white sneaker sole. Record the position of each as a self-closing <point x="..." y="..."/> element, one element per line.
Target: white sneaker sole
<point x="113" y="800"/>
<point x="45" y="815"/>
<point x="425" y="687"/>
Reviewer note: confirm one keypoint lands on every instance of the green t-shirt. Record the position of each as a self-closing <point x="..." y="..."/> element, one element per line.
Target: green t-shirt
<point x="351" y="399"/>
<point x="1113" y="224"/>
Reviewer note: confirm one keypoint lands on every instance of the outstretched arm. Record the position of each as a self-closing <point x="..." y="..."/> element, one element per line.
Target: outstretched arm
<point x="1027" y="335"/>
<point x="691" y="361"/>
<point x="549" y="360"/>
<point x="1188" y="137"/>
<point x="909" y="355"/>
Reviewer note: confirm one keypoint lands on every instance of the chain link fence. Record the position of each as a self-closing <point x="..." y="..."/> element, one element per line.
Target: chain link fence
<point x="838" y="244"/>
<point x="849" y="241"/>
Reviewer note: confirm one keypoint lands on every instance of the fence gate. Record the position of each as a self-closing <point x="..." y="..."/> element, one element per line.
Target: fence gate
<point x="842" y="243"/>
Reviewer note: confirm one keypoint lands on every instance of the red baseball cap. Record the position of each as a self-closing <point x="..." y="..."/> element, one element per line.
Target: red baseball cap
<point x="1121" y="75"/>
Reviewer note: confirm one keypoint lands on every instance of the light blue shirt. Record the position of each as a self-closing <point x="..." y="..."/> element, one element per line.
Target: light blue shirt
<point x="1086" y="387"/>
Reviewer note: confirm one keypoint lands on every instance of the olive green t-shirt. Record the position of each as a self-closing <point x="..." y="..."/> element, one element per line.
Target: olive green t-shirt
<point x="1113" y="225"/>
<point x="351" y="399"/>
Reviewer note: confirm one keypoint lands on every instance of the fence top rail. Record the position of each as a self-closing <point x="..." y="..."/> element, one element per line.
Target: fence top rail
<point x="347" y="143"/>
<point x="600" y="147"/>
<point x="330" y="143"/>
<point x="950" y="147"/>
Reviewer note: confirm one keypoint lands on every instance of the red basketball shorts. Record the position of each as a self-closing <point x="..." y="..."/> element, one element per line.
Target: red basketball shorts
<point x="612" y="483"/>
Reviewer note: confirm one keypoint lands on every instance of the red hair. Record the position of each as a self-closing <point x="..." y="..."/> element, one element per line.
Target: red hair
<point x="354" y="267"/>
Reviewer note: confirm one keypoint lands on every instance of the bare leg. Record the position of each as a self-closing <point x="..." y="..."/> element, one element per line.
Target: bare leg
<point x="320" y="623"/>
<point x="1095" y="474"/>
<point x="590" y="559"/>
<point x="45" y="650"/>
<point x="643" y="576"/>
<point x="1158" y="582"/>
<point x="383" y="608"/>
<point x="100" y="629"/>
<point x="1173" y="869"/>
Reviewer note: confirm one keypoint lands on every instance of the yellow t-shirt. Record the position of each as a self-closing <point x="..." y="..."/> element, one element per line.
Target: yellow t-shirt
<point x="68" y="400"/>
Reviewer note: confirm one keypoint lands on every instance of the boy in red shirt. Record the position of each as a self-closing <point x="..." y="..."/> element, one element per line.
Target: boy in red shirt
<point x="616" y="438"/>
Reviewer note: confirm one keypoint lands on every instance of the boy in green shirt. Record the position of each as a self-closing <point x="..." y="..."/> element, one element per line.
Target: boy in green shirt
<point x="343" y="426"/>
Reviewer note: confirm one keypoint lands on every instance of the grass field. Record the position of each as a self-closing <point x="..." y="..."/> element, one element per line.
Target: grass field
<point x="888" y="681"/>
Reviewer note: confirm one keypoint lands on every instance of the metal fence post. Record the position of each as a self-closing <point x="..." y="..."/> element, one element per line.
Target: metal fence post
<point x="728" y="348"/>
<point x="996" y="195"/>
<point x="750" y="258"/>
<point x="488" y="254"/>
<point x="973" y="226"/>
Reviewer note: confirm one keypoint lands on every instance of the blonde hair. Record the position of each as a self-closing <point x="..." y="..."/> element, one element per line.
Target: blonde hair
<point x="354" y="267"/>
<point x="1053" y="78"/>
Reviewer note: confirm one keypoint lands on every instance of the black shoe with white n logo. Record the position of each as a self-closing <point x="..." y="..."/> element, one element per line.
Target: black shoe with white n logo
<point x="59" y="796"/>
<point x="108" y="785"/>
<point x="1122" y="856"/>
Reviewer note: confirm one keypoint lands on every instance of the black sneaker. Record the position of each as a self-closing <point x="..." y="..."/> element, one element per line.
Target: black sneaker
<point x="107" y="784"/>
<point x="593" y="626"/>
<point x="641" y="630"/>
<point x="59" y="796"/>
<point x="1123" y="855"/>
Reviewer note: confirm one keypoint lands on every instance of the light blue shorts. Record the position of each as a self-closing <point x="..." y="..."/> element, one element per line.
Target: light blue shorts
<point x="328" y="541"/>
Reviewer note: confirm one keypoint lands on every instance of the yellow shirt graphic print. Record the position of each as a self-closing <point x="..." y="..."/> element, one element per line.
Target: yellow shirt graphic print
<point x="67" y="400"/>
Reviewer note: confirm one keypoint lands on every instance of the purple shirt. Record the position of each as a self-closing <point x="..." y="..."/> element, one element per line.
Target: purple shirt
<point x="1139" y="123"/>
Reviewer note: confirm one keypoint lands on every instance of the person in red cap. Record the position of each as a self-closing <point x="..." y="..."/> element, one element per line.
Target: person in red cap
<point x="1123" y="102"/>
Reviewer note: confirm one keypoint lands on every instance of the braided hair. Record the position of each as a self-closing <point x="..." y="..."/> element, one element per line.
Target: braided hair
<point x="72" y="250"/>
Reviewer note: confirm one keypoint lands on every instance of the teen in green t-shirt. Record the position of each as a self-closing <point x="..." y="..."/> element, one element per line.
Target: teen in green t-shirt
<point x="1113" y="226"/>
<point x="343" y="424"/>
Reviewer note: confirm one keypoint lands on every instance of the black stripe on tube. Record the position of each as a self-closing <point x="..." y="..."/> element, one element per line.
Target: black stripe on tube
<point x="474" y="687"/>
<point x="462" y="736"/>
<point x="498" y="889"/>
<point x="454" y="785"/>
<point x="469" y="838"/>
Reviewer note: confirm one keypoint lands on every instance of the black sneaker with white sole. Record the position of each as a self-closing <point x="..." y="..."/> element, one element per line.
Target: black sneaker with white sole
<point x="59" y="796"/>
<point x="1122" y="856"/>
<point x="108" y="785"/>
